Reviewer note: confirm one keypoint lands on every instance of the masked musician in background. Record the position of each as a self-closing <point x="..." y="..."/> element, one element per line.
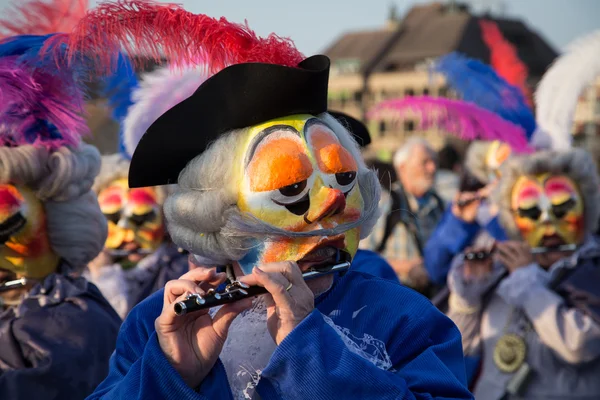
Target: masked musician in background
<point x="534" y="318"/>
<point x="270" y="186"/>
<point x="138" y="257"/>
<point x="471" y="220"/>
<point x="57" y="331"/>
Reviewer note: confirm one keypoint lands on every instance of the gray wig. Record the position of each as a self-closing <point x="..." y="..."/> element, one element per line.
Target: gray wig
<point x="62" y="180"/>
<point x="203" y="216"/>
<point x="577" y="164"/>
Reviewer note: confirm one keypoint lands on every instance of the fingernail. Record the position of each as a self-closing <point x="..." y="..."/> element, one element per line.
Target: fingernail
<point x="258" y="271"/>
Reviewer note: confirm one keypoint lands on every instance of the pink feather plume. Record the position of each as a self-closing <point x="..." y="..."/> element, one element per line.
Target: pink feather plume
<point x="42" y="17"/>
<point x="461" y="119"/>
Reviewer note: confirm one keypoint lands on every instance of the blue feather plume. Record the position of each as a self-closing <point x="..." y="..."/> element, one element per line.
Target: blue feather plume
<point x="478" y="83"/>
<point x="118" y="88"/>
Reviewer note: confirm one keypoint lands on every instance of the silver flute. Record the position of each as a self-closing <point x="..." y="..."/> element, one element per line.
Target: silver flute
<point x="237" y="290"/>
<point x="14" y="284"/>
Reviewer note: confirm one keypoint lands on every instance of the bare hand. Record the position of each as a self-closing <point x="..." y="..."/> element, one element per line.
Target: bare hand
<point x="477" y="268"/>
<point x="468" y="211"/>
<point x="285" y="308"/>
<point x="418" y="277"/>
<point x="514" y="255"/>
<point x="192" y="342"/>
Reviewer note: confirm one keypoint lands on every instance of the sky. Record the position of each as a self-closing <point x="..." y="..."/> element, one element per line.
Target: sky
<point x="315" y="24"/>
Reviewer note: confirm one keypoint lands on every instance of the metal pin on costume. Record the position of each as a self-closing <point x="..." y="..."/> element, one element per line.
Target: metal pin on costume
<point x="236" y="290"/>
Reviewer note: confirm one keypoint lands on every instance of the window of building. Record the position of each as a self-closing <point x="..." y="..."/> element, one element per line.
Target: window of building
<point x="443" y="91"/>
<point x="425" y="92"/>
<point x="409" y="125"/>
<point x="409" y="92"/>
<point x="358" y="96"/>
<point x="382" y="128"/>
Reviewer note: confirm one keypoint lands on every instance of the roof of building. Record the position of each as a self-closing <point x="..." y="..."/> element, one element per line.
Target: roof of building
<point x="432" y="30"/>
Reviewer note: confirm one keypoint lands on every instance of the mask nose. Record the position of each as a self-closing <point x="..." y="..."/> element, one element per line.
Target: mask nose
<point x="325" y="202"/>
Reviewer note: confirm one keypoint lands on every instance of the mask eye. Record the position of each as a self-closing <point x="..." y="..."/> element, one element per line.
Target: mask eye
<point x="139" y="220"/>
<point x="300" y="207"/>
<point x="293" y="197"/>
<point x="532" y="213"/>
<point x="294" y="189"/>
<point x="11" y="226"/>
<point x="114" y="217"/>
<point x="560" y="210"/>
<point x="345" y="178"/>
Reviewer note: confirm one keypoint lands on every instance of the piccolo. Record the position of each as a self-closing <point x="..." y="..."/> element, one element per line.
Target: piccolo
<point x="14" y="284"/>
<point x="482" y="255"/>
<point x="236" y="290"/>
<point x="465" y="202"/>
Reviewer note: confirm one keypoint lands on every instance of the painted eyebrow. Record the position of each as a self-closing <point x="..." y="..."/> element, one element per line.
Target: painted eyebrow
<point x="263" y="134"/>
<point x="316" y="121"/>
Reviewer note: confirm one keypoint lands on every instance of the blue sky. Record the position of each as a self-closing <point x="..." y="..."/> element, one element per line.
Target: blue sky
<point x="313" y="24"/>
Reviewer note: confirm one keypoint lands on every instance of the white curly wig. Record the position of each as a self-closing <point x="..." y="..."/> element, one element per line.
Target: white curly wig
<point x="62" y="180"/>
<point x="203" y="217"/>
<point x="577" y="164"/>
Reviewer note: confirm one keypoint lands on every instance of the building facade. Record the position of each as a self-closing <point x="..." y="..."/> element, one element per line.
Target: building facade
<point x="395" y="61"/>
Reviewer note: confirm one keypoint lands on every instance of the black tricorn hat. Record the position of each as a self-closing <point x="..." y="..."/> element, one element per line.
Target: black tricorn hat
<point x="236" y="97"/>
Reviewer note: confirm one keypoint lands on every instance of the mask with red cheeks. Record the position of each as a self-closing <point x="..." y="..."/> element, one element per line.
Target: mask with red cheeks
<point x="548" y="210"/>
<point x="134" y="217"/>
<point x="24" y="245"/>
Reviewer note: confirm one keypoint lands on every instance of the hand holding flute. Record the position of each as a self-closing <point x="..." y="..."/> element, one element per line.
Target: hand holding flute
<point x="511" y="254"/>
<point x="192" y="342"/>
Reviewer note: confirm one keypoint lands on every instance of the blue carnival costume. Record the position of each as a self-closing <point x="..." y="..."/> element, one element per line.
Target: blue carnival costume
<point x="368" y="338"/>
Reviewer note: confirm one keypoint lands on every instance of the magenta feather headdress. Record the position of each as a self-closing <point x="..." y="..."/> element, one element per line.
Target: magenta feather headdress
<point x="40" y="104"/>
<point x="461" y="119"/>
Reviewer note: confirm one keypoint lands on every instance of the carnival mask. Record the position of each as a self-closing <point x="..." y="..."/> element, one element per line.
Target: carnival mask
<point x="24" y="245"/>
<point x="297" y="176"/>
<point x="135" y="221"/>
<point x="548" y="210"/>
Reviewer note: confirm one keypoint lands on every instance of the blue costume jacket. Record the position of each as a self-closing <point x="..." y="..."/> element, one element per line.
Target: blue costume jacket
<point x="368" y="338"/>
<point x="373" y="264"/>
<point x="450" y="238"/>
<point x="57" y="343"/>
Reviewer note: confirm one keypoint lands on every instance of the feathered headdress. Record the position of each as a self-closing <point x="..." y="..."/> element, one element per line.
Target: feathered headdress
<point x="479" y="84"/>
<point x="558" y="92"/>
<point x="40" y="17"/>
<point x="40" y="104"/>
<point x="166" y="31"/>
<point x="226" y="100"/>
<point x="504" y="58"/>
<point x="462" y="119"/>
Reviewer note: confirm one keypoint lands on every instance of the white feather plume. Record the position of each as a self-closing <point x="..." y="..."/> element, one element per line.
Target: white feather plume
<point x="158" y="92"/>
<point x="559" y="90"/>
